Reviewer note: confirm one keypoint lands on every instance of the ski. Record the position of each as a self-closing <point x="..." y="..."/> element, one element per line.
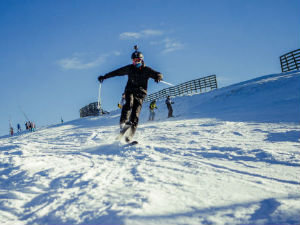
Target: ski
<point x="132" y="143"/>
<point x="123" y="132"/>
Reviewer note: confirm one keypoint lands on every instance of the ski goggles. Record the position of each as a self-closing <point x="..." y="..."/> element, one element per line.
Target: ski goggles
<point x="137" y="60"/>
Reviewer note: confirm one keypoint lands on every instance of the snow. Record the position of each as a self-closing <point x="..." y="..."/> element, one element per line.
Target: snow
<point x="230" y="156"/>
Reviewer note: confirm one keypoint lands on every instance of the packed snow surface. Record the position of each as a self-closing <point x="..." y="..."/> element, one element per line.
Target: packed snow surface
<point x="229" y="156"/>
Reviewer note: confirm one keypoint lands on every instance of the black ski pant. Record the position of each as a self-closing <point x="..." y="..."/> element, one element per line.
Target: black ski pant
<point x="132" y="108"/>
<point x="170" y="109"/>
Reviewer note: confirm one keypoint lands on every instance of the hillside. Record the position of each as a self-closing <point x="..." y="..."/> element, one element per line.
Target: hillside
<point x="230" y="156"/>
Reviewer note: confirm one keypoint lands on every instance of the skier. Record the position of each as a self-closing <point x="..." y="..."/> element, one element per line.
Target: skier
<point x="29" y="126"/>
<point x="152" y="107"/>
<point x="11" y="130"/>
<point x="135" y="90"/>
<point x="169" y="106"/>
<point x="19" y="128"/>
<point x="32" y="126"/>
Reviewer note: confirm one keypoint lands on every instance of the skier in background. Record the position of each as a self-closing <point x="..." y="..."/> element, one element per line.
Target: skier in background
<point x="11" y="130"/>
<point x="169" y="106"/>
<point x="135" y="90"/>
<point x="19" y="128"/>
<point x="27" y="124"/>
<point x="152" y="107"/>
<point x="32" y="126"/>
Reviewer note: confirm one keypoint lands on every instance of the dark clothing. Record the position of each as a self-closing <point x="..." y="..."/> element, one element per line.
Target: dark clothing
<point x="132" y="108"/>
<point x="170" y="111"/>
<point x="135" y="91"/>
<point x="169" y="106"/>
<point x="137" y="78"/>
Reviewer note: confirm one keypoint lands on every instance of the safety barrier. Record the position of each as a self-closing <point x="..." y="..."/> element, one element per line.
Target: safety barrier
<point x="290" y="61"/>
<point x="90" y="110"/>
<point x="200" y="85"/>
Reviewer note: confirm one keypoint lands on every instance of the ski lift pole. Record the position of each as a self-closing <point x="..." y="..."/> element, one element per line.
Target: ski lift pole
<point x="24" y="114"/>
<point x="11" y="129"/>
<point x="99" y="99"/>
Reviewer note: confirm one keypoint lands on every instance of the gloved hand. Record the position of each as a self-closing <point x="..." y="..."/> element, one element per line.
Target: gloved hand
<point x="159" y="78"/>
<point x="101" y="79"/>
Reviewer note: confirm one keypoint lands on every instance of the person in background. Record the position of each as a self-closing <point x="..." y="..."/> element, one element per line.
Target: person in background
<point x="32" y="126"/>
<point x="19" y="128"/>
<point x="152" y="107"/>
<point x="169" y="106"/>
<point x="28" y="125"/>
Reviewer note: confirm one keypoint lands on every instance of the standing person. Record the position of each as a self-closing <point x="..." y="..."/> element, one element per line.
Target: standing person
<point x="152" y="107"/>
<point x="169" y="106"/>
<point x="135" y="90"/>
<point x="29" y="126"/>
<point x="19" y="128"/>
<point x="11" y="130"/>
<point x="32" y="126"/>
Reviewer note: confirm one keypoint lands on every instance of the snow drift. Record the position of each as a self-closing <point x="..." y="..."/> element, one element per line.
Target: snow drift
<point x="272" y="98"/>
<point x="230" y="156"/>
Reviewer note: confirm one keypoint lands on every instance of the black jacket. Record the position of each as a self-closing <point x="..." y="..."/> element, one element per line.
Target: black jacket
<point x="137" y="77"/>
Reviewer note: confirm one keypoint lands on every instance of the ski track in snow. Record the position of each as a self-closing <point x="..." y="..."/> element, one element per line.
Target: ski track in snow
<point x="186" y="170"/>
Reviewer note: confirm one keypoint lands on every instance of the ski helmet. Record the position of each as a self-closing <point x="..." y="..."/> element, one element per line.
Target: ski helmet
<point x="136" y="54"/>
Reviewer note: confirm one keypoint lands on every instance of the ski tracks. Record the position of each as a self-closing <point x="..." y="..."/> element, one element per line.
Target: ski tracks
<point x="184" y="171"/>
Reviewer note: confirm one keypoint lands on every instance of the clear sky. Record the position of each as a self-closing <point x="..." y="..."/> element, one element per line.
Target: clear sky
<point x="52" y="51"/>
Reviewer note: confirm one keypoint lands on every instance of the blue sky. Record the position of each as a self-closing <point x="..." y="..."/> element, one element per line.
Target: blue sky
<point x="52" y="51"/>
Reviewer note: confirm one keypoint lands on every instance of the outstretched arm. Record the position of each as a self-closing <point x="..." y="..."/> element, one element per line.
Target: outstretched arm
<point x="157" y="76"/>
<point x="118" y="72"/>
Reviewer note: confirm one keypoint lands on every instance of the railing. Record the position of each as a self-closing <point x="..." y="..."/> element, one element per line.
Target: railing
<point x="290" y="61"/>
<point x="194" y="86"/>
<point x="90" y="110"/>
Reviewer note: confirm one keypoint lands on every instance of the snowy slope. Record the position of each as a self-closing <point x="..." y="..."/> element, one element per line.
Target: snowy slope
<point x="231" y="156"/>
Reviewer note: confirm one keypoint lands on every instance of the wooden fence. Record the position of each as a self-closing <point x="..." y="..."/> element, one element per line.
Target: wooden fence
<point x="290" y="61"/>
<point x="194" y="86"/>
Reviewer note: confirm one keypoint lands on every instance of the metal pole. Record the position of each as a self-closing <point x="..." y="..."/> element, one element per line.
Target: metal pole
<point x="24" y="114"/>
<point x="99" y="99"/>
